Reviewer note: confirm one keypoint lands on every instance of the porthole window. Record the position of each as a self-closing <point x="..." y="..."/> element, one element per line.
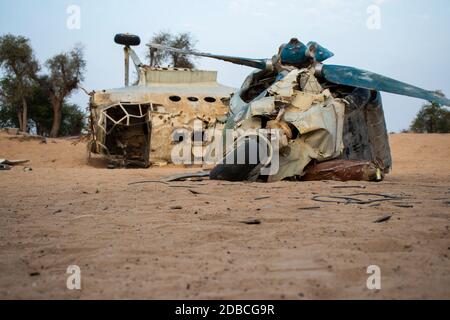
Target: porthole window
<point x="193" y="99"/>
<point x="175" y="98"/>
<point x="179" y="135"/>
<point x="210" y="99"/>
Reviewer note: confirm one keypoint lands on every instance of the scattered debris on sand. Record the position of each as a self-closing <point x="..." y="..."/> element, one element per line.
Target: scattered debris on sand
<point x="127" y="239"/>
<point x="251" y="222"/>
<point x="383" y="219"/>
<point x="351" y="199"/>
<point x="8" y="164"/>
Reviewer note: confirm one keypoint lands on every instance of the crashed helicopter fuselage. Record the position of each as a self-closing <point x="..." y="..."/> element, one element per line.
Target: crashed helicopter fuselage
<point x="328" y="119"/>
<point x="135" y="126"/>
<point x="316" y="122"/>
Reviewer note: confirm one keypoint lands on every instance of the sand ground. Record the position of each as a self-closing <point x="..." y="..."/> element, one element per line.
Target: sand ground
<point x="186" y="240"/>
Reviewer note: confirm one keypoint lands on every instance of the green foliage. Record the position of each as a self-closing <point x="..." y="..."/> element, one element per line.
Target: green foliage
<point x="73" y="120"/>
<point x="41" y="115"/>
<point x="432" y="118"/>
<point x="19" y="80"/>
<point x="19" y="69"/>
<point x="159" y="57"/>
<point x="66" y="71"/>
<point x="17" y="59"/>
<point x="183" y="41"/>
<point x="9" y="103"/>
<point x="41" y="112"/>
<point x="8" y="116"/>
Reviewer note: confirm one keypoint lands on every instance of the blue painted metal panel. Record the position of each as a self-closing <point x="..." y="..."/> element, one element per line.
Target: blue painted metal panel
<point x="365" y="79"/>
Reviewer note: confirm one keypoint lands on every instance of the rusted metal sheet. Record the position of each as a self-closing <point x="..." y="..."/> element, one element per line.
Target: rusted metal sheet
<point x="343" y="170"/>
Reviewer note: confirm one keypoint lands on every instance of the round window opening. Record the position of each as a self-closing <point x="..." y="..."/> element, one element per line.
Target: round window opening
<point x="210" y="99"/>
<point x="175" y="98"/>
<point x="193" y="99"/>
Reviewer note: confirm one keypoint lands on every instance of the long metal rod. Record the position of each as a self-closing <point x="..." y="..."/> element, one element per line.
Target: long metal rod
<point x="127" y="66"/>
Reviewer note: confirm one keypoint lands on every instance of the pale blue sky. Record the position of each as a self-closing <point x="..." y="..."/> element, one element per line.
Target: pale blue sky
<point x="412" y="45"/>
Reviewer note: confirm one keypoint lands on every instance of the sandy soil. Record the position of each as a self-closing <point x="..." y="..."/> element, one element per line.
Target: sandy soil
<point x="134" y="241"/>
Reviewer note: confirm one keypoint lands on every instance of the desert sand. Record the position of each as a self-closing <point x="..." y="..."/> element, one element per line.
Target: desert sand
<point x="187" y="240"/>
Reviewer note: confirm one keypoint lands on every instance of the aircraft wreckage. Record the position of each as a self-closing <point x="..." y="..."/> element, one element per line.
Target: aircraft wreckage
<point x="327" y="120"/>
<point x="136" y="125"/>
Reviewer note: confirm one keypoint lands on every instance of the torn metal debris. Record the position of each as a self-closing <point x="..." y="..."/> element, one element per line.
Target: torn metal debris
<point x="357" y="198"/>
<point x="343" y="170"/>
<point x="8" y="164"/>
<point x="385" y="218"/>
<point x="321" y="112"/>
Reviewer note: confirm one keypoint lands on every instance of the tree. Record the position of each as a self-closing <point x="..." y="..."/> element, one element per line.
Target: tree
<point x="42" y="112"/>
<point x="184" y="41"/>
<point x="73" y="120"/>
<point x="8" y="113"/>
<point x="20" y="67"/>
<point x="432" y="118"/>
<point x="72" y="117"/>
<point x="66" y="71"/>
<point x="40" y="116"/>
<point x="158" y="57"/>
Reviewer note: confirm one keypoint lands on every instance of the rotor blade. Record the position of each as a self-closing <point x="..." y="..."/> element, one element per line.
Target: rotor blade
<point x="365" y="79"/>
<point x="254" y="63"/>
